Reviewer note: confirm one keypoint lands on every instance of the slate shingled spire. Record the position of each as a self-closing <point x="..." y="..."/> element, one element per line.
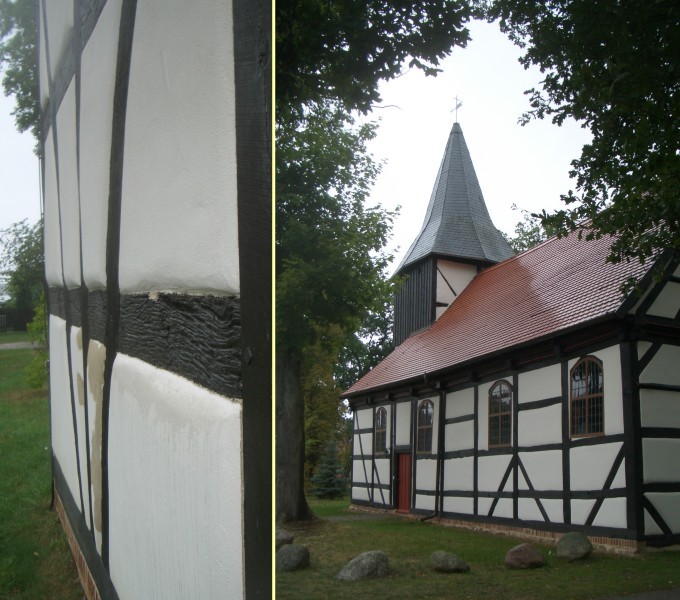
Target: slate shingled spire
<point x="457" y="223"/>
<point x="456" y="241"/>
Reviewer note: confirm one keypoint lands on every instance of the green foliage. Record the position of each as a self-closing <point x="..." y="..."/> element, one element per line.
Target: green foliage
<point x="21" y="260"/>
<point x="341" y="50"/>
<point x="36" y="372"/>
<point x="529" y="232"/>
<point x="19" y="61"/>
<point x="328" y="480"/>
<point x="612" y="66"/>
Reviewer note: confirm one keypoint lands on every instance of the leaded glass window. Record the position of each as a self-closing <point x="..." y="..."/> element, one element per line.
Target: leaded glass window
<point x="500" y="414"/>
<point x="587" y="398"/>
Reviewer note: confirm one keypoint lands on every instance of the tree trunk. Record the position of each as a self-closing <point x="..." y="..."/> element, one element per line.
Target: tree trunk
<point x="290" y="441"/>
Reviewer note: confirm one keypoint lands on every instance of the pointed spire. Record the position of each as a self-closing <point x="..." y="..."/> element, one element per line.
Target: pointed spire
<point x="457" y="224"/>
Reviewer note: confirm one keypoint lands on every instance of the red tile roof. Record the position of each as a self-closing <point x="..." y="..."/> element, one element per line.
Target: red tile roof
<point x="560" y="284"/>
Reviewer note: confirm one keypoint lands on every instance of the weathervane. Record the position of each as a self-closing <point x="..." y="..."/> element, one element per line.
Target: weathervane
<point x="459" y="103"/>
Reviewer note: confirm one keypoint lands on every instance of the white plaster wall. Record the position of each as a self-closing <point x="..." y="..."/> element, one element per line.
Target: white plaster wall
<point x="459" y="474"/>
<point x="63" y="437"/>
<point x="483" y="505"/>
<point x="382" y="469"/>
<point x="677" y="271"/>
<point x="613" y="393"/>
<point x="98" y="69"/>
<point x="459" y="505"/>
<point x="363" y="443"/>
<point x="491" y="470"/>
<point x="59" y="29"/>
<point x="667" y="303"/>
<point x="651" y="528"/>
<point x="426" y="474"/>
<point x="661" y="460"/>
<point x="667" y="506"/>
<point x="360" y="471"/>
<point x="458" y="276"/>
<point x="642" y="347"/>
<point x="589" y="466"/>
<point x="360" y="494"/>
<point x="179" y="228"/>
<point x="53" y="271"/>
<point x="424" y="502"/>
<point x="96" y="357"/>
<point x="580" y="511"/>
<point x="68" y="187"/>
<point x="461" y="403"/>
<point x="77" y="376"/>
<point x="659" y="408"/>
<point x="540" y="384"/>
<point x="364" y="418"/>
<point x="612" y="513"/>
<point x="664" y="367"/>
<point x="175" y="487"/>
<point x="527" y="509"/>
<point x="543" y="468"/>
<point x="459" y="436"/>
<point x="403" y="425"/>
<point x="554" y="509"/>
<point x="504" y="508"/>
<point x="540" y="426"/>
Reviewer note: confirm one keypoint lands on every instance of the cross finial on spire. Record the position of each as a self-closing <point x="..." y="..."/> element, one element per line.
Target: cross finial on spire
<point x="459" y="103"/>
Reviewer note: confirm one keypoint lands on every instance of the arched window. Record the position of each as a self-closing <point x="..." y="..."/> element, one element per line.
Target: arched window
<point x="500" y="414"/>
<point x="587" y="397"/>
<point x="425" y="420"/>
<point x="380" y="431"/>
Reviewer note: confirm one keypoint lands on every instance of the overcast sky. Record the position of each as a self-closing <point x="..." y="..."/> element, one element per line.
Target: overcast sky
<point x="527" y="166"/>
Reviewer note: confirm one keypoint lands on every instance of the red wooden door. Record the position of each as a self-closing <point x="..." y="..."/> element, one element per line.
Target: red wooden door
<point x="404" y="482"/>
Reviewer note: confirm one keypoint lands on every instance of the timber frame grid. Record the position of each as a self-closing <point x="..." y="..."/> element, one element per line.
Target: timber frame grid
<point x="626" y="333"/>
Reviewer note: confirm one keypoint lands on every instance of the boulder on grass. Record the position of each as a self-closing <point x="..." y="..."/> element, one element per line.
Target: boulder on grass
<point x="445" y="562"/>
<point x="524" y="556"/>
<point x="283" y="537"/>
<point x="574" y="546"/>
<point x="365" y="566"/>
<point x="292" y="557"/>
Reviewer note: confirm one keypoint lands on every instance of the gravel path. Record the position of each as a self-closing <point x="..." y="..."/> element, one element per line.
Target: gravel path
<point x="17" y="346"/>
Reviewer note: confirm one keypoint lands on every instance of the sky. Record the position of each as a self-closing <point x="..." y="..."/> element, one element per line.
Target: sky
<point x="527" y="166"/>
<point x="19" y="171"/>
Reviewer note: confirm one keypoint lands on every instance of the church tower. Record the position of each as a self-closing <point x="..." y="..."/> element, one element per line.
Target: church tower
<point x="456" y="241"/>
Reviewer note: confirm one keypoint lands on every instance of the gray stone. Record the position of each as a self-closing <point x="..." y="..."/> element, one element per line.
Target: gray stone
<point x="446" y="562"/>
<point x="292" y="557"/>
<point x="283" y="537"/>
<point x="524" y="556"/>
<point x="365" y="566"/>
<point x="574" y="546"/>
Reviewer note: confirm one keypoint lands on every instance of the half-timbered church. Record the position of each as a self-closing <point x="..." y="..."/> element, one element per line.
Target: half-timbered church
<point x="525" y="393"/>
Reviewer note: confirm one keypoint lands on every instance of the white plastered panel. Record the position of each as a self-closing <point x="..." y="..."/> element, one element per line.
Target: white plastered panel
<point x="580" y="511"/>
<point x="661" y="460"/>
<point x="361" y="471"/>
<point x="527" y="509"/>
<point x="359" y="493"/>
<point x="63" y="436"/>
<point x="651" y="528"/>
<point x="459" y="474"/>
<point x="426" y="474"/>
<point x="53" y="271"/>
<point x="96" y="357"/>
<point x="98" y="75"/>
<point x="503" y="508"/>
<point x="459" y="505"/>
<point x="68" y="187"/>
<point x="667" y="506"/>
<point x="459" y="436"/>
<point x="403" y="426"/>
<point x="540" y="426"/>
<point x="59" y="29"/>
<point x="659" y="408"/>
<point x="667" y="303"/>
<point x="363" y="444"/>
<point x="540" y="384"/>
<point x="491" y="470"/>
<point x="424" y="502"/>
<point x="175" y="487"/>
<point x="544" y="469"/>
<point x="179" y="228"/>
<point x="484" y="505"/>
<point x="364" y="418"/>
<point x="612" y="513"/>
<point x="554" y="509"/>
<point x="663" y="368"/>
<point x="590" y="465"/>
<point x="460" y="404"/>
<point x="642" y="347"/>
<point x="452" y="276"/>
<point x="382" y="470"/>
<point x="77" y="375"/>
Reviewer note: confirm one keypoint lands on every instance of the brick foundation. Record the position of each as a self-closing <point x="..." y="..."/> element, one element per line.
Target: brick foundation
<point x="86" y="579"/>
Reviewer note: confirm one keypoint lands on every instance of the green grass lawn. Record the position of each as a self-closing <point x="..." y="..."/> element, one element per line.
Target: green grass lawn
<point x="35" y="560"/>
<point x="335" y="538"/>
<point x="15" y="336"/>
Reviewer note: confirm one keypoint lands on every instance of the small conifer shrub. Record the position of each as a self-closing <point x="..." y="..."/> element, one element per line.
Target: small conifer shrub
<point x="328" y="480"/>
